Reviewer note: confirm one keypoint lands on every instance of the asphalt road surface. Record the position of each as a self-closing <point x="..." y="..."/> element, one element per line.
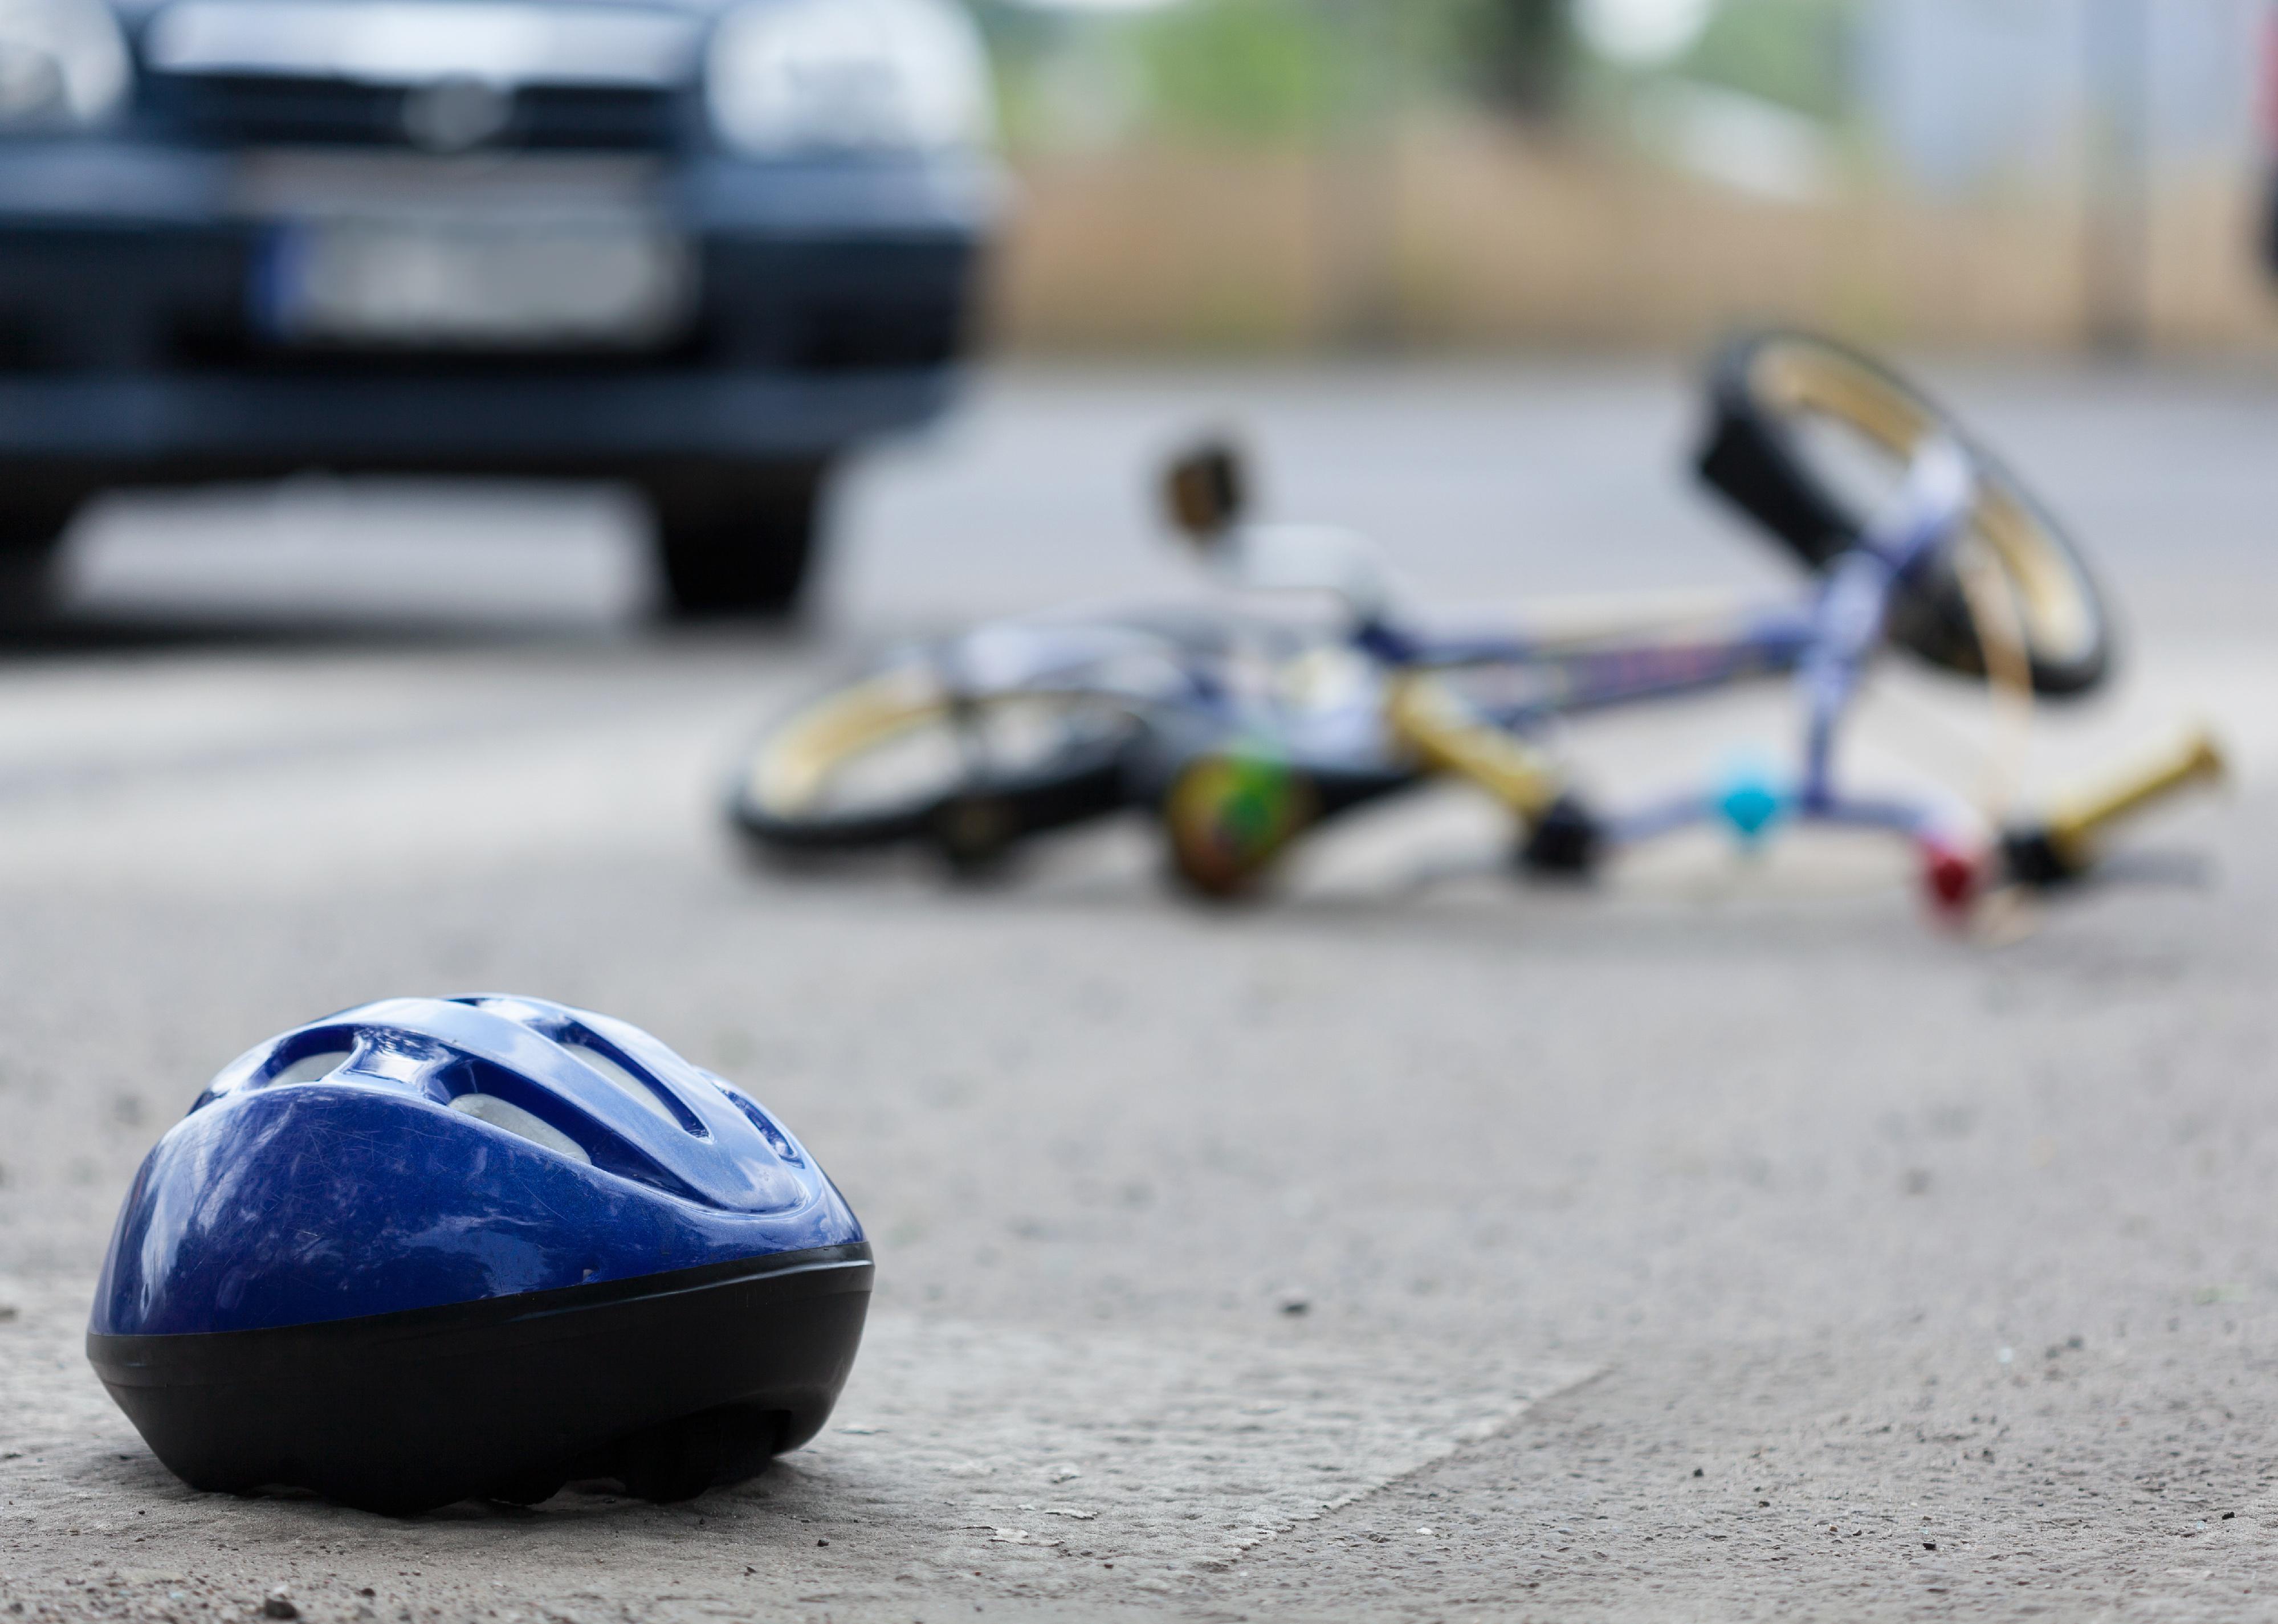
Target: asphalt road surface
<point x="1724" y="1242"/>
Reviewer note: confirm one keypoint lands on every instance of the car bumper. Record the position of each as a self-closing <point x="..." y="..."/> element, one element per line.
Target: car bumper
<point x="829" y="303"/>
<point x="128" y="428"/>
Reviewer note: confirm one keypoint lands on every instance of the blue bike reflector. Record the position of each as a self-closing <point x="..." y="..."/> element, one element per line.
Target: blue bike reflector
<point x="1750" y="801"/>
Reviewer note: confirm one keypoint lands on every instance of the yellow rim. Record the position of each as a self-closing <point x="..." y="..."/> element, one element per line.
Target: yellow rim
<point x="1798" y="377"/>
<point x="795" y="764"/>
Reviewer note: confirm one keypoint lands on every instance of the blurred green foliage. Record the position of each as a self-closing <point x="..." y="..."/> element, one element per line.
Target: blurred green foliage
<point x="1795" y="52"/>
<point x="1247" y="68"/>
<point x="1519" y="54"/>
<point x="1251" y="71"/>
<point x="1293" y="71"/>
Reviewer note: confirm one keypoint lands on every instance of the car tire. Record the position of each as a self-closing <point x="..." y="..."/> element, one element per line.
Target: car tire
<point x="736" y="541"/>
<point x="31" y="538"/>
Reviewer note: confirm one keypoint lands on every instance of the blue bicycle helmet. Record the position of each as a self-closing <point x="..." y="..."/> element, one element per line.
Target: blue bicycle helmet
<point x="431" y="1248"/>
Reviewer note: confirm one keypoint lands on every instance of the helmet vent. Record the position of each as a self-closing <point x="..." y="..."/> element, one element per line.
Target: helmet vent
<point x="515" y="1120"/>
<point x="308" y="1068"/>
<point x="778" y="1140"/>
<point x="625" y="1081"/>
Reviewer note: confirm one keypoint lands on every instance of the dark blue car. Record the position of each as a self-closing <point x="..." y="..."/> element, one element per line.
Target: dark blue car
<point x="703" y="245"/>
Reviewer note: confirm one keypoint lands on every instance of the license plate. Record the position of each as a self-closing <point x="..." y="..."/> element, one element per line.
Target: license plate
<point x="459" y="282"/>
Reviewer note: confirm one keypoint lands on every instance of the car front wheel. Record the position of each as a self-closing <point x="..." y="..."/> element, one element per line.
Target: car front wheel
<point x="737" y="540"/>
<point x="31" y="535"/>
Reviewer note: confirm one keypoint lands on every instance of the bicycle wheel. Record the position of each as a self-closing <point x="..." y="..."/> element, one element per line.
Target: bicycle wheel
<point x="897" y="758"/>
<point x="1807" y="436"/>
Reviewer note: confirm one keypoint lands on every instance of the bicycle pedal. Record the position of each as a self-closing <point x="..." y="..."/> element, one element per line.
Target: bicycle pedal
<point x="2065" y="846"/>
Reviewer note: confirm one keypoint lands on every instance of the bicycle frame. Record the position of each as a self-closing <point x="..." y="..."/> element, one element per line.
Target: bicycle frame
<point x="1824" y="644"/>
<point x="1240" y="746"/>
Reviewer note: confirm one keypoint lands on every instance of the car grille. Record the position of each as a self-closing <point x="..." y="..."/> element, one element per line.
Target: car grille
<point x="261" y="110"/>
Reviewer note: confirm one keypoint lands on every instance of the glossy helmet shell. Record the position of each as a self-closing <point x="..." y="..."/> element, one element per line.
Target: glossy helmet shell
<point x="429" y="1249"/>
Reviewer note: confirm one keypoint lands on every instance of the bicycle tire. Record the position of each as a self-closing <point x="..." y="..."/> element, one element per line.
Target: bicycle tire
<point x="780" y="803"/>
<point x="1768" y="390"/>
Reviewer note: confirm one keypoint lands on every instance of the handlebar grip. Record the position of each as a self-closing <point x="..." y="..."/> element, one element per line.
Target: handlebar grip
<point x="2064" y="846"/>
<point x="1448" y="738"/>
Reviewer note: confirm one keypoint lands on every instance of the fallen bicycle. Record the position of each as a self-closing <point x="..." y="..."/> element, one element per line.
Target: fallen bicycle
<point x="1242" y="732"/>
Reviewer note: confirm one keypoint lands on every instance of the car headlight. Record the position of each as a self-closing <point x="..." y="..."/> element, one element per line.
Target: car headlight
<point x="62" y="63"/>
<point x="787" y="76"/>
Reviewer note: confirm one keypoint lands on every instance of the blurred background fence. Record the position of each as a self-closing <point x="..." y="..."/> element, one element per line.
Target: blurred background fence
<point x="1287" y="175"/>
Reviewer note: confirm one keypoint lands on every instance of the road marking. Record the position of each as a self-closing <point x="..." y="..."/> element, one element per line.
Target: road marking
<point x="1174" y="1455"/>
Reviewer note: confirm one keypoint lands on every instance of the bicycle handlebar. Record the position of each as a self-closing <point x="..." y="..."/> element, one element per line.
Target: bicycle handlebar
<point x="2063" y="846"/>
